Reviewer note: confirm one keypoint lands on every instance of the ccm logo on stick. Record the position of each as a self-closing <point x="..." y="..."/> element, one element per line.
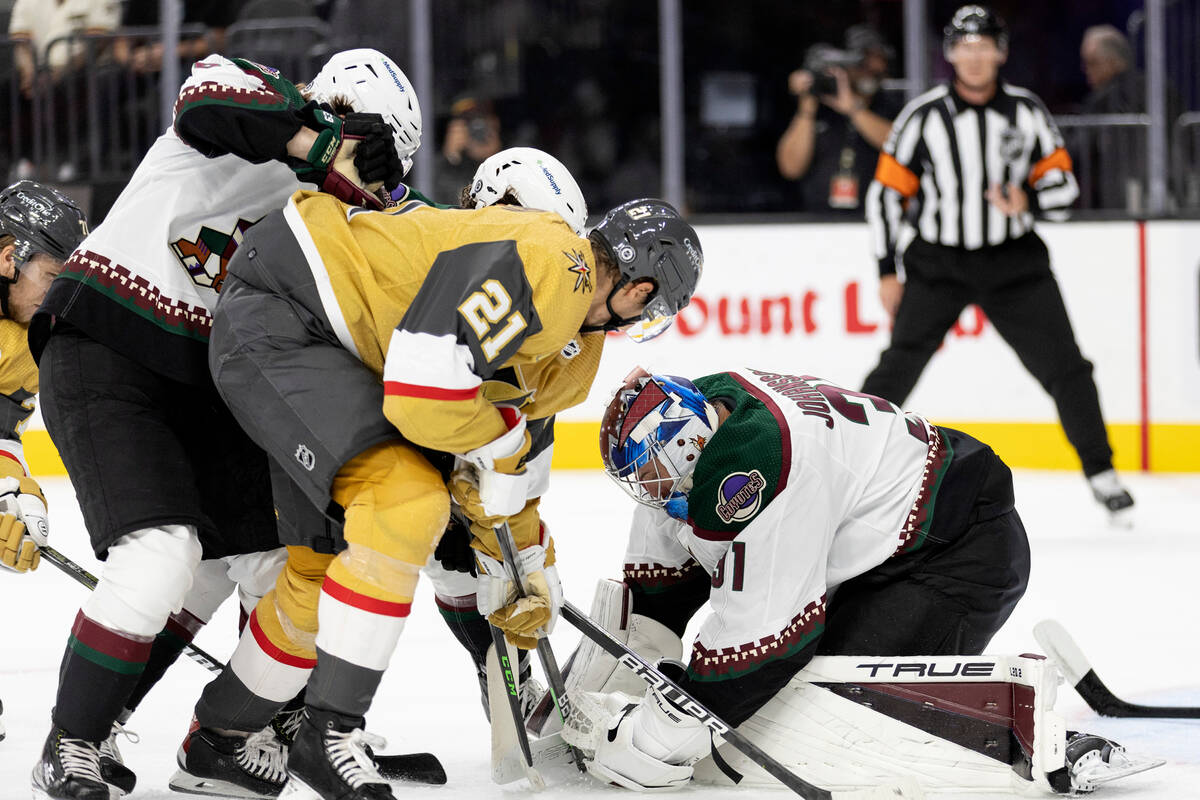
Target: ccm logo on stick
<point x="922" y="669"/>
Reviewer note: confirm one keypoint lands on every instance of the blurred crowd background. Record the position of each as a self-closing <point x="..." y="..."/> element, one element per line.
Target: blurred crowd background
<point x="687" y="99"/>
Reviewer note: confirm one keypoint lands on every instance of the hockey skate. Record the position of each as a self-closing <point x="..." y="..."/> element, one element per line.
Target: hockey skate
<point x="330" y="760"/>
<point x="1093" y="761"/>
<point x="69" y="769"/>
<point x="231" y="766"/>
<point x="1109" y="492"/>
<point x="112" y="765"/>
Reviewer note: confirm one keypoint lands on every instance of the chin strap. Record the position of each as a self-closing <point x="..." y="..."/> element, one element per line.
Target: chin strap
<point x="4" y="284"/>
<point x="615" y="323"/>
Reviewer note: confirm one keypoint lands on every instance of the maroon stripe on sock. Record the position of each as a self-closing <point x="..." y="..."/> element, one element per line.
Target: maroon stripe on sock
<point x="465" y="602"/>
<point x="184" y="624"/>
<point x="122" y="646"/>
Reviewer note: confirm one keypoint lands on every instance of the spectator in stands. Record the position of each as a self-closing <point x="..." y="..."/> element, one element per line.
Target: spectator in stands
<point x="1108" y="66"/>
<point x="841" y="121"/>
<point x="472" y="135"/>
<point x="34" y="27"/>
<point x="146" y="56"/>
<point x="1112" y="159"/>
<point x="34" y="24"/>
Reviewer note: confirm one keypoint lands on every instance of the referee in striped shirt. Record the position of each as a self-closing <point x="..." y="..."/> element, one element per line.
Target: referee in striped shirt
<point x="964" y="171"/>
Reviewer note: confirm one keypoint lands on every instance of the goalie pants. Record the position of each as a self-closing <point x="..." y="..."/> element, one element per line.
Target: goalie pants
<point x="948" y="597"/>
<point x="318" y="411"/>
<point x="1015" y="287"/>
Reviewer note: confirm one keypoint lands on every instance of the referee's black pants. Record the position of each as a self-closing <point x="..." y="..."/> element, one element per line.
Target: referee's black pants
<point x="1014" y="286"/>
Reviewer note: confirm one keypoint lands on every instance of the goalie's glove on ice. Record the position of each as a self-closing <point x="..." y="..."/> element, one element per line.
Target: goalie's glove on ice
<point x="23" y="527"/>
<point x="524" y="620"/>
<point x="651" y="745"/>
<point x="351" y="157"/>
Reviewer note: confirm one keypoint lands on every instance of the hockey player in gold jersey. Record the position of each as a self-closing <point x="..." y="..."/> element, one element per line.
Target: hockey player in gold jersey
<point x="38" y="230"/>
<point x="323" y="303"/>
<point x="39" y="227"/>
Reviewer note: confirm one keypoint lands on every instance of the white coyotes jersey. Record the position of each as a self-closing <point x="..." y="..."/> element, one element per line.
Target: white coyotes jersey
<point x="182" y="215"/>
<point x="803" y="487"/>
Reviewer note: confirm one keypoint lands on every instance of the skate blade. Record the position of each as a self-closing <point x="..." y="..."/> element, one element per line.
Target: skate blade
<point x="186" y="783"/>
<point x="1125" y="770"/>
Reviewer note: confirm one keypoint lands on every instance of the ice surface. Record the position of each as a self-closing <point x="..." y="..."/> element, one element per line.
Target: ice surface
<point x="1129" y="597"/>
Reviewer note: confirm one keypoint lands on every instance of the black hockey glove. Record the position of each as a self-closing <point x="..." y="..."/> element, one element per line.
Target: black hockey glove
<point x="363" y="140"/>
<point x="454" y="551"/>
<point x="375" y="158"/>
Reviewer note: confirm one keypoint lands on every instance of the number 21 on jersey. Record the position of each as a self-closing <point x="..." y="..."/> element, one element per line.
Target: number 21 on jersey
<point x="486" y="308"/>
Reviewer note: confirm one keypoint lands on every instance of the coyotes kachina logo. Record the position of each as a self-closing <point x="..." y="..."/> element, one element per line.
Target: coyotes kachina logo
<point x="740" y="496"/>
<point x="207" y="258"/>
<point x="583" y="273"/>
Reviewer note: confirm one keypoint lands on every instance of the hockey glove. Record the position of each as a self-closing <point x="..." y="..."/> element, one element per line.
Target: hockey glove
<point x="454" y="551"/>
<point x="334" y="162"/>
<point x="502" y="483"/>
<point x="651" y="745"/>
<point x="526" y="619"/>
<point x="23" y="527"/>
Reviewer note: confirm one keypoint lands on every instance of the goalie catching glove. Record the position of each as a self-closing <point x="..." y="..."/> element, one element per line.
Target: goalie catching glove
<point x="23" y="527"/>
<point x="351" y="158"/>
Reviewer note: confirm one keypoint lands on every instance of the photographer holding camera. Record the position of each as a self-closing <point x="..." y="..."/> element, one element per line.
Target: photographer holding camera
<point x="472" y="135"/>
<point x="841" y="121"/>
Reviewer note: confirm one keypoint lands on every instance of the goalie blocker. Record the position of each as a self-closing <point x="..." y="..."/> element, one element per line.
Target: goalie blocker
<point x="954" y="723"/>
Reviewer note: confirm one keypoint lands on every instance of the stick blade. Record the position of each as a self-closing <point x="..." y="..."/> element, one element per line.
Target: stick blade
<point x="508" y="761"/>
<point x="412" y="768"/>
<point x="1059" y="645"/>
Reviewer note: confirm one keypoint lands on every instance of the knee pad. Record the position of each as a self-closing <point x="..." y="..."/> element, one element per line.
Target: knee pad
<point x="449" y="583"/>
<point x="396" y="503"/>
<point x="210" y="586"/>
<point x="145" y="579"/>
<point x="255" y="574"/>
<point x="293" y="602"/>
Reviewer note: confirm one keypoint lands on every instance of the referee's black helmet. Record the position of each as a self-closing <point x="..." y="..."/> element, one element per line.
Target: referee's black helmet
<point x="975" y="20"/>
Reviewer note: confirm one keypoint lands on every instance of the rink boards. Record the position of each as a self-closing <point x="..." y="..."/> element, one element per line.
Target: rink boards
<point x="802" y="299"/>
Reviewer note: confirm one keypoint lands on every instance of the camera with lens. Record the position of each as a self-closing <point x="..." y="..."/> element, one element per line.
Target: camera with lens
<point x="478" y="129"/>
<point x="820" y="59"/>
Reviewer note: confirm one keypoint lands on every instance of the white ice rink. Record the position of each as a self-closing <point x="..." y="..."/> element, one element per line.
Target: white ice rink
<point x="1131" y="598"/>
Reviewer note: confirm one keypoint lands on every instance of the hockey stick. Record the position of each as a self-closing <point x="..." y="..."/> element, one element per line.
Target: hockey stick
<point x="669" y="689"/>
<point x="1059" y="645"/>
<point x="558" y="687"/>
<point x="89" y="580"/>
<point x="411" y="767"/>
<point x="500" y="667"/>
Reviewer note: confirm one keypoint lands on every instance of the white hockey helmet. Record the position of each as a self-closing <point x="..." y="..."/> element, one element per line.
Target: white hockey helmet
<point x="536" y="178"/>
<point x="374" y="85"/>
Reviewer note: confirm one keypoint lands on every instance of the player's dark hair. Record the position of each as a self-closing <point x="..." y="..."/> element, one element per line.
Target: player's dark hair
<point x="340" y="103"/>
<point x="465" y="200"/>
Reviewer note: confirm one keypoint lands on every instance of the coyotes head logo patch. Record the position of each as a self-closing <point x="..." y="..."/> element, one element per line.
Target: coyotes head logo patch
<point x="207" y="258"/>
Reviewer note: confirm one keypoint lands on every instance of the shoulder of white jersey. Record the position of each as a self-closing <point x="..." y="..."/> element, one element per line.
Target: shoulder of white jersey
<point x="915" y="107"/>
<point x="218" y="69"/>
<point x="1026" y="95"/>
